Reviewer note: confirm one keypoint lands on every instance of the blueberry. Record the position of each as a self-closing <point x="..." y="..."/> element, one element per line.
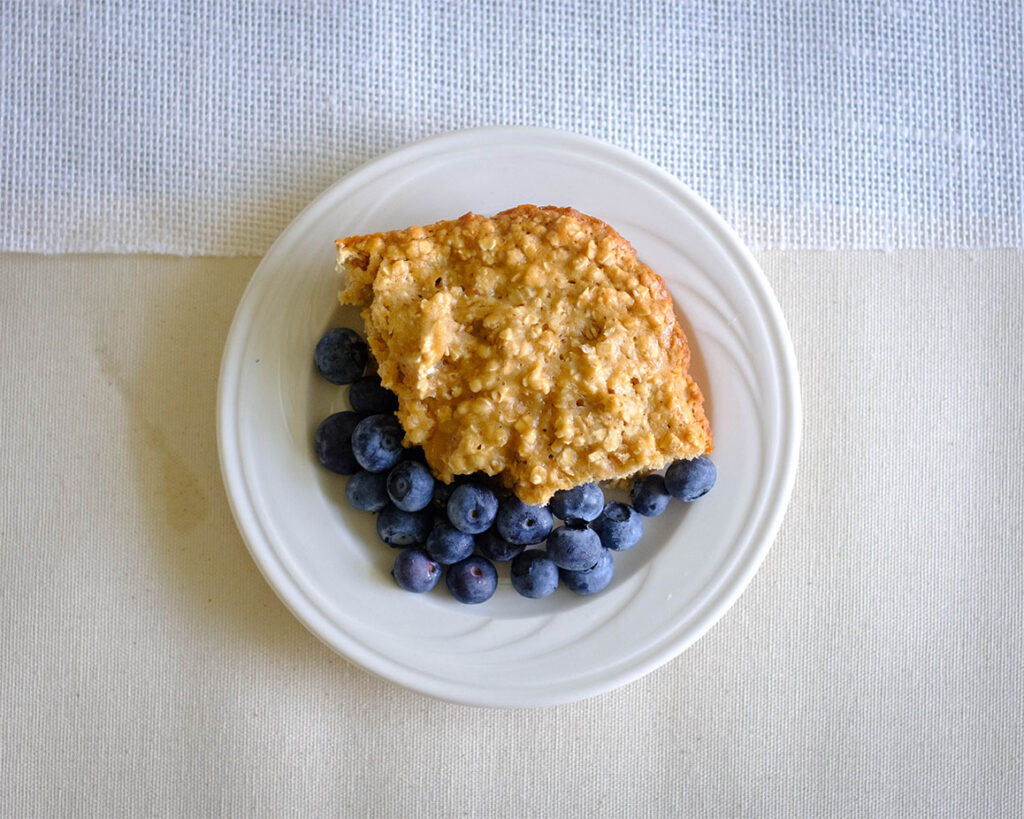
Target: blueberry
<point x="341" y="355"/>
<point x="333" y="442"/>
<point x="592" y="580"/>
<point x="688" y="480"/>
<point x="494" y="547"/>
<point x="619" y="527"/>
<point x="579" y="504"/>
<point x="534" y="574"/>
<point x="377" y="442"/>
<point x="414" y="571"/>
<point x="399" y="528"/>
<point x="649" y="495"/>
<point x="439" y="501"/>
<point x="472" y="580"/>
<point x="471" y="508"/>
<point x="572" y="547"/>
<point x="368" y="397"/>
<point x="519" y="523"/>
<point x="410" y="486"/>
<point x="367" y="491"/>
<point x="447" y="545"/>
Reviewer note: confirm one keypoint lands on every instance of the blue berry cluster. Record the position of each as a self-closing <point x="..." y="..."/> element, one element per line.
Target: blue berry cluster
<point x="461" y="530"/>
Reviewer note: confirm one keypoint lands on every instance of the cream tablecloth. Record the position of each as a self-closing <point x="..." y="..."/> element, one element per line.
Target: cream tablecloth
<point x="872" y="668"/>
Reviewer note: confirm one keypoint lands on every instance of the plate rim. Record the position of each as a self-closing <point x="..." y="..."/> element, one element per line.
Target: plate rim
<point x="789" y="428"/>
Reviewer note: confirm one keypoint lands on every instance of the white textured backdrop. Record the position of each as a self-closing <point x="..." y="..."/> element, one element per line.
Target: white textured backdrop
<point x="202" y="128"/>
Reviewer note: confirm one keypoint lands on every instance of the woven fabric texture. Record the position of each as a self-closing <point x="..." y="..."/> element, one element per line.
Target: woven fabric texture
<point x="203" y="128"/>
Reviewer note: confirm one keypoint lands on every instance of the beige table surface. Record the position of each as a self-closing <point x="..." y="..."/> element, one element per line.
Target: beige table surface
<point x="874" y="667"/>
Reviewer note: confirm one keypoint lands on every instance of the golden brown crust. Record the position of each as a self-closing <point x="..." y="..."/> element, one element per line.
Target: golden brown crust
<point x="533" y="345"/>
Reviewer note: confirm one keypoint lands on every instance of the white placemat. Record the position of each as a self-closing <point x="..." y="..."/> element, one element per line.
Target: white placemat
<point x="204" y="128"/>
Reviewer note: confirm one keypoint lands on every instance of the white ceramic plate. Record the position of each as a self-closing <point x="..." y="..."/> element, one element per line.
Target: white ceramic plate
<point x="324" y="559"/>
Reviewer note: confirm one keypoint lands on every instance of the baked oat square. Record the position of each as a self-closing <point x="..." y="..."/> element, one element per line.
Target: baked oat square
<point x="532" y="345"/>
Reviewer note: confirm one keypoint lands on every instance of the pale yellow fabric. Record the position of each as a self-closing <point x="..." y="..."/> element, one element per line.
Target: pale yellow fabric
<point x="872" y="668"/>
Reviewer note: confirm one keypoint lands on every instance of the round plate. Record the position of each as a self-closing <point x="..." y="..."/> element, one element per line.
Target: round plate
<point x="324" y="559"/>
